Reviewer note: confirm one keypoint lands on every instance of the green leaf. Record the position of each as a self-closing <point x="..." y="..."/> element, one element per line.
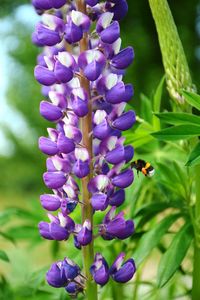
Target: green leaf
<point x="4" y="256"/>
<point x="174" y="255"/>
<point x="192" y="98"/>
<point x="194" y="157"/>
<point x="157" y="102"/>
<point x="178" y="118"/>
<point x="152" y="238"/>
<point x="158" y="95"/>
<point x="146" y="108"/>
<point x="179" y="132"/>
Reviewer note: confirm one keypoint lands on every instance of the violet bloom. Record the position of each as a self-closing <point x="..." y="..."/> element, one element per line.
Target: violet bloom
<point x="122" y="272"/>
<point x="100" y="270"/>
<point x="115" y="226"/>
<point x="81" y="71"/>
<point x="58" y="229"/>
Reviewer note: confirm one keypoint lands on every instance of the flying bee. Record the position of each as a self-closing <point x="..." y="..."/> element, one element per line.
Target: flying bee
<point x="142" y="166"/>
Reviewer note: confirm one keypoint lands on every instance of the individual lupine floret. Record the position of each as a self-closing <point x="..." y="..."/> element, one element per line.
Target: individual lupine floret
<point x="77" y="24"/>
<point x="119" y="271"/>
<point x="81" y="167"/>
<point x="100" y="270"/>
<point x="66" y="274"/>
<point x="115" y="226"/>
<point x="92" y="62"/>
<point x="122" y="272"/>
<point x="49" y="32"/>
<point x="58" y="229"/>
<point x="84" y="233"/>
<point x="108" y="31"/>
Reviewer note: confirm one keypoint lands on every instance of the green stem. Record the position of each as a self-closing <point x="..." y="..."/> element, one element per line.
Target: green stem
<point x="87" y="213"/>
<point x="196" y="264"/>
<point x="174" y="59"/>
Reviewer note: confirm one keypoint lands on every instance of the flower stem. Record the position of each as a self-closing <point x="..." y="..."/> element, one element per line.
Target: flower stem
<point x="87" y="213"/>
<point x="196" y="262"/>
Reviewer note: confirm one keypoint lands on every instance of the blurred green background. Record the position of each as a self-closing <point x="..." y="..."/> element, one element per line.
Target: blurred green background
<point x="21" y="163"/>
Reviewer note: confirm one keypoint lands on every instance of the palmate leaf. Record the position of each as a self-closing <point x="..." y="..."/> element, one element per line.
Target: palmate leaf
<point x="4" y="256"/>
<point x="192" y="98"/>
<point x="176" y="133"/>
<point x="194" y="157"/>
<point x="152" y="238"/>
<point x="174" y="255"/>
<point x="178" y="118"/>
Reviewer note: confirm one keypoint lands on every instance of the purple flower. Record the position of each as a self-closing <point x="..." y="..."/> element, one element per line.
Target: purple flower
<point x="84" y="235"/>
<point x="58" y="229"/>
<point x="81" y="71"/>
<point x="122" y="272"/>
<point x="115" y="226"/>
<point x="100" y="270"/>
<point x="54" y="276"/>
<point x="50" y="202"/>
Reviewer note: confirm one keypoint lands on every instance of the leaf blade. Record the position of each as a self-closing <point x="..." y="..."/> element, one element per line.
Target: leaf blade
<point x="174" y="255"/>
<point x="178" y="118"/>
<point x="176" y="133"/>
<point x="192" y="98"/>
<point x="194" y="156"/>
<point x="151" y="239"/>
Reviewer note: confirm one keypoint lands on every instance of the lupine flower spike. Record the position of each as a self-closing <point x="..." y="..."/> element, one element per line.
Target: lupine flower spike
<point x="81" y="72"/>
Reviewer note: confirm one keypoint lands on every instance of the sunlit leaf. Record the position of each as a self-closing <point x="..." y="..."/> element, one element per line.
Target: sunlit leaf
<point x="174" y="255"/>
<point x="151" y="239"/>
<point x="178" y="118"/>
<point x="192" y="98"/>
<point x="194" y="157"/>
<point x="179" y="132"/>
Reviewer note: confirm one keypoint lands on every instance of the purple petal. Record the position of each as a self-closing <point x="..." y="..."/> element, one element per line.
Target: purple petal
<point x="63" y="73"/>
<point x="115" y="156"/>
<point x="129" y="153"/>
<point x="125" y="121"/>
<point x="126" y="272"/>
<point x="47" y="146"/>
<point x="127" y="232"/>
<point x="73" y="33"/>
<point x="64" y="144"/>
<point x="93" y="70"/>
<point x="111" y="33"/>
<point x="50" y="202"/>
<point x="124" y="179"/>
<point x="117" y="198"/>
<point x="91" y="2"/>
<point x="50" y="112"/>
<point x="45" y="230"/>
<point x="80" y="107"/>
<point x="102" y="130"/>
<point x="54" y="277"/>
<point x="44" y="75"/>
<point x="58" y="233"/>
<point x="99" y="201"/>
<point x="54" y="180"/>
<point x="120" y="9"/>
<point x="81" y="168"/>
<point x="46" y="36"/>
<point x="123" y="59"/>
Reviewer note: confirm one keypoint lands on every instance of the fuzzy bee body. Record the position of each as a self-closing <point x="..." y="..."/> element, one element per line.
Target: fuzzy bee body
<point x="142" y="166"/>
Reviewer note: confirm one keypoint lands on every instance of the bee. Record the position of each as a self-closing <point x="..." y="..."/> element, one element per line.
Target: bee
<point x="142" y="166"/>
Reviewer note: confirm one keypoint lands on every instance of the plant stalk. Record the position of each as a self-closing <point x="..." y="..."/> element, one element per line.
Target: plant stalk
<point x="87" y="213"/>
<point x="196" y="262"/>
<point x="174" y="60"/>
